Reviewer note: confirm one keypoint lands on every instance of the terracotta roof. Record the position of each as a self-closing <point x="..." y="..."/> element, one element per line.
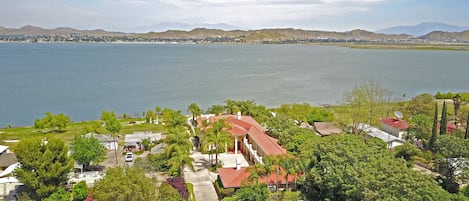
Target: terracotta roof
<point x="449" y="127"/>
<point x="233" y="178"/>
<point x="326" y="128"/>
<point x="396" y="123"/>
<point x="246" y="125"/>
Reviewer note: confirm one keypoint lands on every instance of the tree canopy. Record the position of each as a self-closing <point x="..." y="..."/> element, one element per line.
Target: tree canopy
<point x="128" y="183"/>
<point x="86" y="150"/>
<point x="348" y="167"/>
<point x="44" y="166"/>
<point x="52" y="121"/>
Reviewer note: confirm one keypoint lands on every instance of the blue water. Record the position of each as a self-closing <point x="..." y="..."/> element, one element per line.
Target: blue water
<point x="80" y="80"/>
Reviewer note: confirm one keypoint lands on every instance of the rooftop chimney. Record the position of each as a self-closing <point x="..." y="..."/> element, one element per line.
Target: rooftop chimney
<point x="239" y="115"/>
<point x="238" y="166"/>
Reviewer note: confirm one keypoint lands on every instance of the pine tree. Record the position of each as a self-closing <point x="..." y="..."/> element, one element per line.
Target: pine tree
<point x="432" y="140"/>
<point x="444" y="121"/>
<point x="467" y="127"/>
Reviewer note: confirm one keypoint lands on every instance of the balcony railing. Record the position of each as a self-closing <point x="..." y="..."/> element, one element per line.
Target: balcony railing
<point x="252" y="151"/>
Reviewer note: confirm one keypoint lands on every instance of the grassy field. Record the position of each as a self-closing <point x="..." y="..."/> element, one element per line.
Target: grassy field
<point x="73" y="129"/>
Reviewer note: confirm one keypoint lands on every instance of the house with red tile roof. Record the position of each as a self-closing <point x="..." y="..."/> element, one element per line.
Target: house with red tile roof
<point x="250" y="139"/>
<point x="394" y="126"/>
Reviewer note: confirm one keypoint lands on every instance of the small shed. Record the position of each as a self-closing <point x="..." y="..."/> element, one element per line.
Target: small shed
<point x="326" y="128"/>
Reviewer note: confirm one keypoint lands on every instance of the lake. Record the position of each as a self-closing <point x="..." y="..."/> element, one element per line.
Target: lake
<point x="80" y="80"/>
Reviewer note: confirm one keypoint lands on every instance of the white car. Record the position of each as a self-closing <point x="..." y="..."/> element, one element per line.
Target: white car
<point x="129" y="157"/>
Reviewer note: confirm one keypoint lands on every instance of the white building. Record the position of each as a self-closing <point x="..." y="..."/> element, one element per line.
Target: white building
<point x="394" y="126"/>
<point x="390" y="140"/>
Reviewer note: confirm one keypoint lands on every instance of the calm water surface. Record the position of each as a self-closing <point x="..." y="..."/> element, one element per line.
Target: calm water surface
<point x="80" y="80"/>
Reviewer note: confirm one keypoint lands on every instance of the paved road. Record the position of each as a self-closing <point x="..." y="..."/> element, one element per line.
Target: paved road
<point x="201" y="179"/>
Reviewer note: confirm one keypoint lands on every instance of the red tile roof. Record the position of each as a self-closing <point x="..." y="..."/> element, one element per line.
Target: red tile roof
<point x="246" y="125"/>
<point x="396" y="123"/>
<point x="233" y="178"/>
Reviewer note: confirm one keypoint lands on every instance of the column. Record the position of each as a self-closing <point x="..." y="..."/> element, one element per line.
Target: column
<point x="236" y="146"/>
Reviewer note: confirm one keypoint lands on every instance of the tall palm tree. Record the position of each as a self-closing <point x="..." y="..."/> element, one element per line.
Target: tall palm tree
<point x="256" y="171"/>
<point x="274" y="162"/>
<point x="178" y="139"/>
<point x="178" y="159"/>
<point x="195" y="110"/>
<point x="218" y="136"/>
<point x="290" y="167"/>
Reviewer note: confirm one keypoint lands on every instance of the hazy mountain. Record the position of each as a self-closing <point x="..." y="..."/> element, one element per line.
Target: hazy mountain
<point x="30" y="30"/>
<point x="181" y="26"/>
<point x="422" y="29"/>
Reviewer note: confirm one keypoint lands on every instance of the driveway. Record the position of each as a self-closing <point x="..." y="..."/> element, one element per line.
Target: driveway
<point x="202" y="179"/>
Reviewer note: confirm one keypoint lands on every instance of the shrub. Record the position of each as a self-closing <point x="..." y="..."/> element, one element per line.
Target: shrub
<point x="80" y="191"/>
<point x="178" y="184"/>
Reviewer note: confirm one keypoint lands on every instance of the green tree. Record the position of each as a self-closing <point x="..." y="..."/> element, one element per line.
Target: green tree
<point x="218" y="136"/>
<point x="252" y="192"/>
<point x="150" y="116"/>
<point x="79" y="191"/>
<point x="86" y="150"/>
<point x="444" y="121"/>
<point x="59" y="195"/>
<point x="432" y="140"/>
<point x="58" y="122"/>
<point x="451" y="165"/>
<point x="128" y="183"/>
<point x="216" y="109"/>
<point x="366" y="103"/>
<point x="290" y="167"/>
<point x="158" y="113"/>
<point x="407" y="151"/>
<point x="44" y="166"/>
<point x="195" y="110"/>
<point x="230" y="106"/>
<point x="421" y="104"/>
<point x="278" y="125"/>
<point x="178" y="150"/>
<point x="349" y="167"/>
<point x="420" y="127"/>
<point x="178" y="159"/>
<point x="174" y="118"/>
<point x="112" y="125"/>
<point x="319" y="115"/>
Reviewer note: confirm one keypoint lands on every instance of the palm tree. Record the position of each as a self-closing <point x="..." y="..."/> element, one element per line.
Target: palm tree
<point x="290" y="166"/>
<point x="256" y="171"/>
<point x="274" y="162"/>
<point x="195" y="110"/>
<point x="178" y="139"/>
<point x="179" y="158"/>
<point x="218" y="136"/>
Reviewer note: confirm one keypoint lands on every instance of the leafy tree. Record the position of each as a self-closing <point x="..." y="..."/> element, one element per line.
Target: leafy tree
<point x="79" y="191"/>
<point x="293" y="137"/>
<point x="407" y="151"/>
<point x="349" y="167"/>
<point x="44" y="166"/>
<point x="444" y="121"/>
<point x="216" y="109"/>
<point x="178" y="159"/>
<point x="150" y="116"/>
<point x="195" y="110"/>
<point x="451" y="164"/>
<point x="218" y="136"/>
<point x="290" y="167"/>
<point x="157" y="113"/>
<point x="128" y="183"/>
<point x="420" y="127"/>
<point x="112" y="125"/>
<point x="178" y="150"/>
<point x="319" y="115"/>
<point x="365" y="104"/>
<point x="432" y="140"/>
<point x="59" y="195"/>
<point x="174" y="118"/>
<point x="252" y="192"/>
<point x="86" y="150"/>
<point x="52" y="121"/>
<point x="230" y="106"/>
<point x="277" y="125"/>
<point x="421" y="104"/>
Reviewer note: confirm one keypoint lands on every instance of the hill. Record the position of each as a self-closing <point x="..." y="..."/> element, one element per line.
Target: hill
<point x="447" y="36"/>
<point x="422" y="29"/>
<point x="30" y="30"/>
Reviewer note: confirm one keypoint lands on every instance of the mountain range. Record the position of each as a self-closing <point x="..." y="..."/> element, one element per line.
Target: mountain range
<point x="422" y="29"/>
<point x="261" y="35"/>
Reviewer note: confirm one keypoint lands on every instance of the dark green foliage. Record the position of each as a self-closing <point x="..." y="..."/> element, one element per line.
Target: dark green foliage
<point x="112" y="124"/>
<point x="444" y="121"/>
<point x="407" y="151"/>
<point x="59" y="195"/>
<point x="87" y="150"/>
<point x="466" y="134"/>
<point x="52" y="121"/>
<point x="432" y="140"/>
<point x="125" y="184"/>
<point x="167" y="192"/>
<point x="293" y="137"/>
<point x="80" y="191"/>
<point x="319" y="115"/>
<point x="421" y="104"/>
<point x="279" y="124"/>
<point x="44" y="167"/>
<point x="150" y="116"/>
<point x="253" y="192"/>
<point x="463" y="95"/>
<point x="348" y="167"/>
<point x="216" y="109"/>
<point x="420" y="127"/>
<point x="195" y="110"/>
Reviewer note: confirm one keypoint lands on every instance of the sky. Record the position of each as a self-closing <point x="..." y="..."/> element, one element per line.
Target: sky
<point x="146" y="15"/>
